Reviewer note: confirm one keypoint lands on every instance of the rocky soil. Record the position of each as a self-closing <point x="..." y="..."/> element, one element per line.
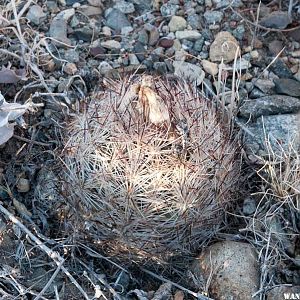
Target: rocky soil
<point x="244" y="56"/>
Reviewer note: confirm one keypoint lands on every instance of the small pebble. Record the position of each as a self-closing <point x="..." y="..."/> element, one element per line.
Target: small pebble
<point x="166" y="43"/>
<point x="70" y="68"/>
<point x="23" y="185"/>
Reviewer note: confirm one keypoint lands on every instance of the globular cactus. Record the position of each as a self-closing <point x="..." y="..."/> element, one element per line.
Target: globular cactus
<point x="150" y="167"/>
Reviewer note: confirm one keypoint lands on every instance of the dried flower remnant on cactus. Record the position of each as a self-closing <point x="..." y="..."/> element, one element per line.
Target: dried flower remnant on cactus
<point x="151" y="167"/>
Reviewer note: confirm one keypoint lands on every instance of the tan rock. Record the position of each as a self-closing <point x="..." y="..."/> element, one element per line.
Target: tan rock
<point x="225" y="47"/>
<point x="210" y="67"/>
<point x="70" y="68"/>
<point x="234" y="270"/>
<point x="50" y="65"/>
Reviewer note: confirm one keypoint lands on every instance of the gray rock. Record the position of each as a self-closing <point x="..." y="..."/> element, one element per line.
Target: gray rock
<point x="194" y="21"/>
<point x="125" y="7"/>
<point x="198" y="45"/>
<point x="143" y="37"/>
<point x="249" y="206"/>
<point x="58" y="30"/>
<point x="153" y="36"/>
<point x="278" y="233"/>
<point x="66" y="14"/>
<point x="177" y="23"/>
<point x="191" y="35"/>
<point x="72" y="56"/>
<point x="272" y="134"/>
<point x="187" y="45"/>
<point x="133" y="59"/>
<point x="160" y="67"/>
<point x="277" y="20"/>
<point x="265" y="85"/>
<point x="168" y="9"/>
<point x="140" y="51"/>
<point x="117" y="20"/>
<point x="189" y="72"/>
<point x="275" y="47"/>
<point x="241" y="64"/>
<point x="287" y="86"/>
<point x="143" y="6"/>
<point x="169" y="65"/>
<point x="226" y="3"/>
<point x="280" y="68"/>
<point x="148" y="63"/>
<point x="84" y="34"/>
<point x="203" y="55"/>
<point x="269" y="105"/>
<point x="71" y="2"/>
<point x="239" y="32"/>
<point x="256" y="93"/>
<point x="104" y="68"/>
<point x="52" y="6"/>
<point x="36" y="15"/>
<point x="212" y="17"/>
<point x="74" y="22"/>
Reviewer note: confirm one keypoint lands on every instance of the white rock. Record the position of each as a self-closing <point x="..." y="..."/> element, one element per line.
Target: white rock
<point x="191" y="35"/>
<point x="111" y="45"/>
<point x="66" y="14"/>
<point x="241" y="64"/>
<point x="255" y="54"/>
<point x="177" y="23"/>
<point x="296" y="53"/>
<point x="180" y="55"/>
<point x="106" y="31"/>
<point x="126" y="30"/>
<point x="189" y="72"/>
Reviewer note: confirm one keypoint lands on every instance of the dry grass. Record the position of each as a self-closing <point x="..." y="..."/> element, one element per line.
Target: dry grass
<point x="273" y="228"/>
<point x="147" y="187"/>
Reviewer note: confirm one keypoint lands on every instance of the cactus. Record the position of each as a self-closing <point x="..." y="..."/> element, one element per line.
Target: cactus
<point x="158" y="183"/>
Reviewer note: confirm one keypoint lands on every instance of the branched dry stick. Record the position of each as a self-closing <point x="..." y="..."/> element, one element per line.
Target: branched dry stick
<point x="196" y="295"/>
<point x="263" y="27"/>
<point x="102" y="281"/>
<point x="52" y="254"/>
